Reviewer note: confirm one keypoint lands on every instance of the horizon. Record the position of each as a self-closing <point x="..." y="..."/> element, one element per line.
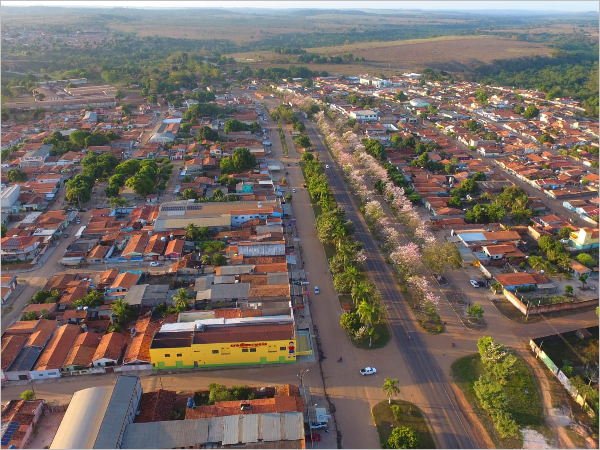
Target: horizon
<point x="489" y="6"/>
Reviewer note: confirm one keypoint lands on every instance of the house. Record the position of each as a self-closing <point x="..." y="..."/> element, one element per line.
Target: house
<point x="109" y="350"/>
<point x="514" y="281"/>
<point x="20" y="248"/>
<point x="364" y="115"/>
<point x="579" y="269"/>
<point x="502" y="251"/>
<point x="98" y="254"/>
<point x="55" y="353"/>
<point x="585" y="238"/>
<point x="36" y="156"/>
<point x="9" y="198"/>
<point x="124" y="281"/>
<point x="154" y="248"/>
<point x="134" y="250"/>
<point x="81" y="354"/>
<point x="19" y="418"/>
<point x="194" y="165"/>
<point x="9" y="284"/>
<point x="174" y="249"/>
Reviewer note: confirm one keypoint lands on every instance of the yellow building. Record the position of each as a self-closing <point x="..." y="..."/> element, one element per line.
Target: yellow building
<point x="585" y="238"/>
<point x="218" y="343"/>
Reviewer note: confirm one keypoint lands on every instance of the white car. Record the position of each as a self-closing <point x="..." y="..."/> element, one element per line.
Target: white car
<point x="294" y="191"/>
<point x="368" y="371"/>
<point x="327" y="166"/>
<point x="154" y="264"/>
<point x="317" y="289"/>
<point x="474" y="283"/>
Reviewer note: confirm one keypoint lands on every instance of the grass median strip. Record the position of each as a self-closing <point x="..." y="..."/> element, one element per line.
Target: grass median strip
<point x="407" y="416"/>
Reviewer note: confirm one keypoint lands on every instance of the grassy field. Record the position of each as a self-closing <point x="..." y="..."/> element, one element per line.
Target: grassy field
<point x="411" y="417"/>
<point x="524" y="402"/>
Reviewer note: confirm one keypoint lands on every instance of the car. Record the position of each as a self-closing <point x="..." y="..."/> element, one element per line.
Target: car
<point x="368" y="371"/>
<point x="286" y="172"/>
<point x="295" y="163"/>
<point x="482" y="283"/>
<point x="319" y="426"/>
<point x="294" y="191"/>
<point x="327" y="166"/>
<point x="474" y="283"/>
<point x="317" y="290"/>
<point x="154" y="264"/>
<point x="313" y="437"/>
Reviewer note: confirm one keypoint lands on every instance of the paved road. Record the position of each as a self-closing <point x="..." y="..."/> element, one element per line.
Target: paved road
<point x="449" y="424"/>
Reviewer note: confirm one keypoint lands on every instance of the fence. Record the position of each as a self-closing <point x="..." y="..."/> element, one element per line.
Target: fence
<point x="562" y="378"/>
<point x="544" y="309"/>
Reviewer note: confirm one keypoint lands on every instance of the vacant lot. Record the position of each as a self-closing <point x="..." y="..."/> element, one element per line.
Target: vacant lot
<point x="448" y="52"/>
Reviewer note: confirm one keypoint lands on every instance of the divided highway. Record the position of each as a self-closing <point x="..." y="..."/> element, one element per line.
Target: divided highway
<point x="450" y="426"/>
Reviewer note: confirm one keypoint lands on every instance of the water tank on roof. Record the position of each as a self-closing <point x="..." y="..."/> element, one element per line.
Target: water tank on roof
<point x="133" y="331"/>
<point x="79" y="308"/>
<point x="190" y="402"/>
<point x="163" y="239"/>
<point x="85" y="308"/>
<point x="171" y="236"/>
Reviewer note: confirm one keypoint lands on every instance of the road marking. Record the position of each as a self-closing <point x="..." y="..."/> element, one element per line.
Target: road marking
<point x="455" y="410"/>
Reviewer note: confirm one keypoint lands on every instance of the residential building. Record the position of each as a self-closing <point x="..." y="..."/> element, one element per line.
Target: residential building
<point x="20" y="248"/>
<point x="585" y="238"/>
<point x="35" y="157"/>
<point x="109" y="350"/>
<point x="19" y="418"/>
<point x="122" y="284"/>
<point x="514" y="281"/>
<point x="55" y="353"/>
<point x="9" y="198"/>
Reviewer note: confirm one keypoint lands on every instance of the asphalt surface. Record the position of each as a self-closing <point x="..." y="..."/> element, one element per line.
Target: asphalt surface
<point x="450" y="426"/>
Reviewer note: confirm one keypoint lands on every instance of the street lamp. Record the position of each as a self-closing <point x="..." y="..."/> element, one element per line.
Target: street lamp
<point x="301" y="376"/>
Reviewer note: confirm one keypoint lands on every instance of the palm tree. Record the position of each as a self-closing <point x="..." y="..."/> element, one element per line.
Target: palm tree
<point x="352" y="275"/>
<point x="180" y="300"/>
<point x="536" y="262"/>
<point x="191" y="231"/>
<point x="339" y="236"/>
<point x="369" y="314"/>
<point x="119" y="309"/>
<point x="360" y="293"/>
<point x="390" y="388"/>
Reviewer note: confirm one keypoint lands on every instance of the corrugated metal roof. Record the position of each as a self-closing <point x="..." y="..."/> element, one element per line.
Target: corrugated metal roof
<point x="215" y="429"/>
<point x="293" y="426"/>
<point x="231" y="430"/>
<point x="225" y="291"/>
<point x="277" y="278"/>
<point x="224" y="279"/>
<point x="270" y="427"/>
<point x="203" y="282"/>
<point x="249" y="428"/>
<point x="236" y="270"/>
<point x="262" y="249"/>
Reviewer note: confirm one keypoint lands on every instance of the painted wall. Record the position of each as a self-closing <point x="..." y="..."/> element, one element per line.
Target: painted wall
<point x="203" y="355"/>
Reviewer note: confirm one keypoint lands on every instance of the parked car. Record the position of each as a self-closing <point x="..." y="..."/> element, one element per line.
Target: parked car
<point x="474" y="283"/>
<point x="368" y="371"/>
<point x="319" y="426"/>
<point x="482" y="283"/>
<point x="154" y="264"/>
<point x="295" y="163"/>
<point x="313" y="437"/>
<point x="327" y="166"/>
<point x="294" y="191"/>
<point x="317" y="290"/>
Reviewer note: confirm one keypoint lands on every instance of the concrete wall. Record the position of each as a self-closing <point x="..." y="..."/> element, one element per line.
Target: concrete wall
<point x="543" y="309"/>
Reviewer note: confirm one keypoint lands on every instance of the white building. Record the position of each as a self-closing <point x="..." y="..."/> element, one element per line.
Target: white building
<point x="9" y="198"/>
<point x="364" y="115"/>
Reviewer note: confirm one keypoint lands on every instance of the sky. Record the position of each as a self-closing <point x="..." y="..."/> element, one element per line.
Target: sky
<point x="572" y="6"/>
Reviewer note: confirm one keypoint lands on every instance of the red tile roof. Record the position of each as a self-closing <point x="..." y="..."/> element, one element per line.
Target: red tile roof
<point x="56" y="351"/>
<point x="110" y="347"/>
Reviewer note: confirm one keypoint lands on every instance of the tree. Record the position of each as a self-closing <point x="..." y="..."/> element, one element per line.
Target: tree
<point x="120" y="310"/>
<point x="28" y="395"/>
<point x="531" y="112"/>
<point x="497" y="360"/>
<point x="119" y="94"/>
<point x="569" y="290"/>
<point x="546" y="138"/>
<point x="118" y="202"/>
<point x="565" y="233"/>
<point x="403" y="437"/>
<point x="306" y="156"/>
<point x="583" y="278"/>
<point x="475" y="311"/>
<point x="93" y="299"/>
<point x="219" y="259"/>
<point x="189" y="194"/>
<point x="16" y="175"/>
<point x="227" y="166"/>
<point x="31" y="315"/>
<point x="243" y="159"/>
<point x="350" y="322"/>
<point x="40" y="297"/>
<point x="181" y="300"/>
<point x="361" y="292"/>
<point x="496" y="287"/>
<point x="77" y="138"/>
<point x="207" y="134"/>
<point x="586" y="259"/>
<point x="4" y="229"/>
<point x="367" y="313"/>
<point x="192" y="232"/>
<point x="390" y="388"/>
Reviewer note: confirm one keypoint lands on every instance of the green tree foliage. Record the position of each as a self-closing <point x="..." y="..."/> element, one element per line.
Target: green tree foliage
<point x="181" y="300"/>
<point x="189" y="194"/>
<point x="307" y="156"/>
<point x="569" y="289"/>
<point x="531" y="112"/>
<point x="96" y="139"/>
<point x="27" y="395"/>
<point x="302" y="141"/>
<point x="475" y="311"/>
<point x="93" y="299"/>
<point x="587" y="260"/>
<point x="219" y="393"/>
<point x="77" y="138"/>
<point x="207" y="134"/>
<point x="16" y="175"/>
<point x="350" y="322"/>
<point x="390" y="388"/>
<point x="498" y="361"/>
<point x="4" y="229"/>
<point x="121" y="310"/>
<point x="374" y="148"/>
<point x="440" y="257"/>
<point x="403" y="437"/>
<point x="31" y="315"/>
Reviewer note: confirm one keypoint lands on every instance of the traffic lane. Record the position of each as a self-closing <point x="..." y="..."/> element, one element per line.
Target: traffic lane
<point x="443" y="411"/>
